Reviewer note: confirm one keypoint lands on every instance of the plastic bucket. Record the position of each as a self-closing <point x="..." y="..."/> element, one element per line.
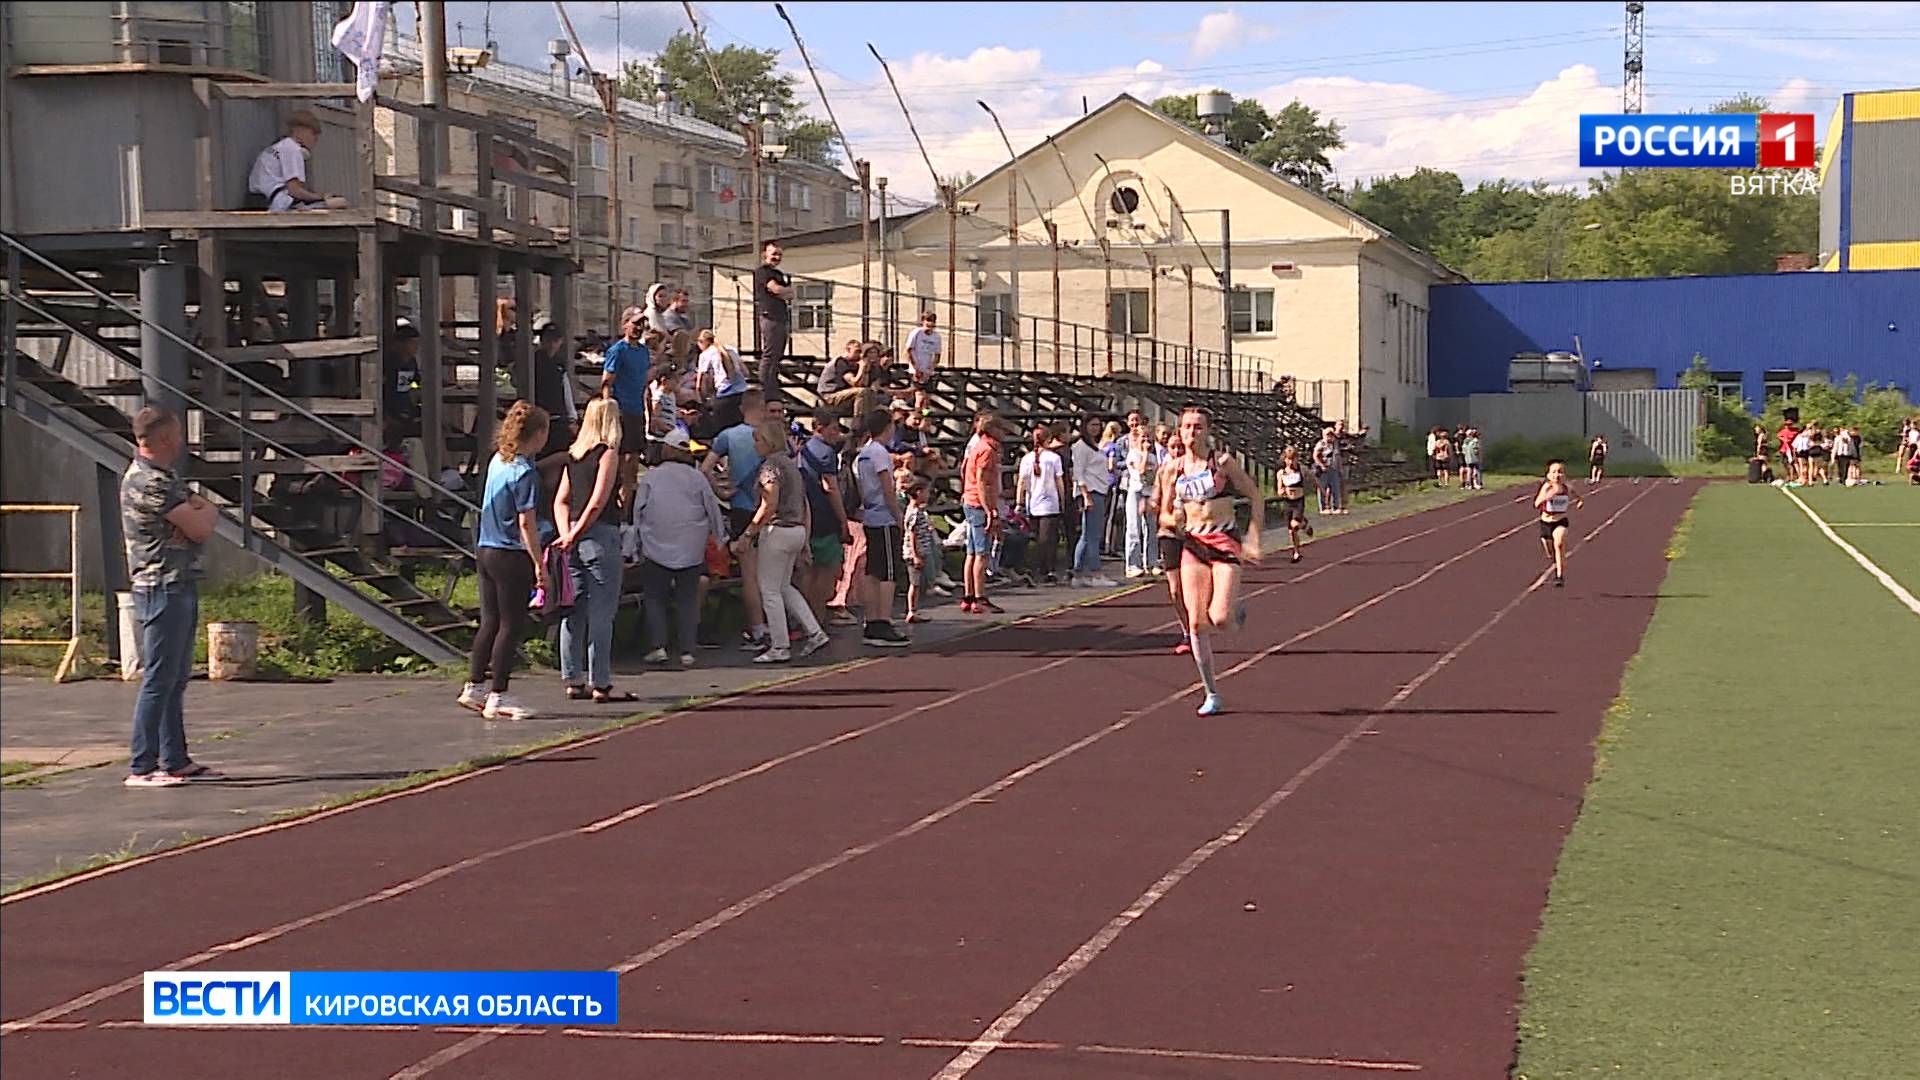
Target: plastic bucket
<point x="129" y="638"/>
<point x="233" y="650"/>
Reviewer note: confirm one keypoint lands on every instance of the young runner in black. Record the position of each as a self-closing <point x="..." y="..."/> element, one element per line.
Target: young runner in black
<point x="1552" y="501"/>
<point x="1293" y="498"/>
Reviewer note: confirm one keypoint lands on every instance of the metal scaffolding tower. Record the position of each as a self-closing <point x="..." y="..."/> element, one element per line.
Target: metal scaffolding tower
<point x="1630" y="89"/>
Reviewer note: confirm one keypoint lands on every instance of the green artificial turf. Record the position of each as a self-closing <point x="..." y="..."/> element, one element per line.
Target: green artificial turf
<point x="1740" y="897"/>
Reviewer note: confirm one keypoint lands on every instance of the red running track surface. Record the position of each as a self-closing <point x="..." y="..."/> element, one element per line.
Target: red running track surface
<point x="1016" y="855"/>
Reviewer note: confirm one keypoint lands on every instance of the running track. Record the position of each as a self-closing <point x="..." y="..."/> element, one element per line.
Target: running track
<point x="1017" y="855"/>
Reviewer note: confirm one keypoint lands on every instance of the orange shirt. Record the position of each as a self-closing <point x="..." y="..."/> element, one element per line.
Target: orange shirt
<point x="980" y="474"/>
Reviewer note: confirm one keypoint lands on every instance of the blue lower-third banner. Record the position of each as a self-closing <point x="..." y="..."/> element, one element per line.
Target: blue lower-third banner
<point x="381" y="997"/>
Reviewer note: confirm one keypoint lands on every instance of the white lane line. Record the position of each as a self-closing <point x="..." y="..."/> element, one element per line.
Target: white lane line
<point x="779" y="1038"/>
<point x="776" y="890"/>
<point x="762" y="1038"/>
<point x="1886" y="580"/>
<point x="1874" y="524"/>
<point x="439" y="873"/>
<point x="995" y="1036"/>
<point x="216" y="841"/>
<point x="1183" y="1055"/>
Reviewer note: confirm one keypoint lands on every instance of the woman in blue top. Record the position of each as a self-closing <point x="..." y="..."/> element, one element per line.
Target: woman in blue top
<point x="507" y="557"/>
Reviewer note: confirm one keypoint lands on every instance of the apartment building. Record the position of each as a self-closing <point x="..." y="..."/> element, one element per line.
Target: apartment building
<point x="681" y="184"/>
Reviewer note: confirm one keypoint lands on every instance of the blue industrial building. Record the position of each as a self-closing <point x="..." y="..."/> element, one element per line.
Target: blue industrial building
<point x="1765" y="333"/>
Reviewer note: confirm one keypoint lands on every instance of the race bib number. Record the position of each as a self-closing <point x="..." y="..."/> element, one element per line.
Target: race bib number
<point x="1195" y="488"/>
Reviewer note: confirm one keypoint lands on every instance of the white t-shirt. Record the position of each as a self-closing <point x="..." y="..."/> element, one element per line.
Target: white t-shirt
<point x="1043" y="491"/>
<point x="283" y="161"/>
<point x="873" y="471"/>
<point x="1802" y="443"/>
<point x="1913" y="437"/>
<point x="713" y="363"/>
<point x="923" y="348"/>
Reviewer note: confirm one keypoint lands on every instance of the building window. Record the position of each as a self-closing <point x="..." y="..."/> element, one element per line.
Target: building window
<point x="993" y="314"/>
<point x="629" y="168"/>
<point x="799" y="197"/>
<point x="814" y="307"/>
<point x="632" y="235"/>
<point x="328" y="65"/>
<point x="1785" y="385"/>
<point x="853" y="206"/>
<point x="770" y="190"/>
<point x="720" y="178"/>
<point x="1127" y="313"/>
<point x="1727" y="384"/>
<point x="1253" y="311"/>
<point x="590" y="151"/>
<point x="247" y="41"/>
<point x="593" y="218"/>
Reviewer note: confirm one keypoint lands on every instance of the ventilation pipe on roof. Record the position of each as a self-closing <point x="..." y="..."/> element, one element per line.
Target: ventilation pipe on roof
<point x="558" y="51"/>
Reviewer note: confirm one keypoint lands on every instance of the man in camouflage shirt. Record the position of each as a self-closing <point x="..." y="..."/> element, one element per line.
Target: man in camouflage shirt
<point x="166" y="528"/>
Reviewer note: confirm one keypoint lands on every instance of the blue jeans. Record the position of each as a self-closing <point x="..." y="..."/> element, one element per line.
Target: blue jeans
<point x="586" y="635"/>
<point x="169" y="617"/>
<point x="1140" y="545"/>
<point x="1093" y="526"/>
<point x="1330" y="489"/>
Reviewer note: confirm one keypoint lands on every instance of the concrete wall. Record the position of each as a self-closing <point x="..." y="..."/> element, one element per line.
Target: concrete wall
<point x="1641" y="426"/>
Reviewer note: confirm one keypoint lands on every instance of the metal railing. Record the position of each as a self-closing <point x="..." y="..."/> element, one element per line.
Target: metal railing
<point x="71" y="575"/>
<point x="826" y="313"/>
<point x="247" y="383"/>
<point x="251" y="441"/>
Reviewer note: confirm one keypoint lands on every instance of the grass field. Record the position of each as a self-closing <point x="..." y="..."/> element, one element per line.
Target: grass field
<point x="1738" y="897"/>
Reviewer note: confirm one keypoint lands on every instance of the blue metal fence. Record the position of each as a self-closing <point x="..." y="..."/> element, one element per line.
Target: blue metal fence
<point x="1864" y="323"/>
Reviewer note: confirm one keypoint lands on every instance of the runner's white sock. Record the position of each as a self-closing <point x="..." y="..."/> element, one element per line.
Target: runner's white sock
<point x="1203" y="659"/>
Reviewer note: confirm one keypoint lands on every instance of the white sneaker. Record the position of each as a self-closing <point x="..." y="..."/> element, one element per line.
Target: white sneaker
<point x="473" y="696"/>
<point x="1098" y="581"/>
<point x="944" y="582"/>
<point x="1135" y="572"/>
<point x="502" y="707"/>
<point x="687" y="660"/>
<point x="814" y="644"/>
<point x="657" y="656"/>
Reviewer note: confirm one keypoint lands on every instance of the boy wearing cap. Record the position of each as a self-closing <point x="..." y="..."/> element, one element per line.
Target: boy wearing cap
<point x="278" y="180"/>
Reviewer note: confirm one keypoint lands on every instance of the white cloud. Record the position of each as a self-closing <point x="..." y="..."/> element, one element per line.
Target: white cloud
<point x="1220" y="30"/>
<point x="944" y="92"/>
<point x="1397" y="127"/>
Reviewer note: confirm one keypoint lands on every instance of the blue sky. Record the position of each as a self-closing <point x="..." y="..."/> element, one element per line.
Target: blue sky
<point x="1484" y="89"/>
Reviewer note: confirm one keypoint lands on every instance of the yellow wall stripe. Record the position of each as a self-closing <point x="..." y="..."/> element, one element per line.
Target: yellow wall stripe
<point x="1886" y="105"/>
<point x="1890" y="255"/>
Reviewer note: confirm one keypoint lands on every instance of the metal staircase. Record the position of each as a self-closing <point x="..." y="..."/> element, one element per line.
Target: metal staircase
<point x="250" y="435"/>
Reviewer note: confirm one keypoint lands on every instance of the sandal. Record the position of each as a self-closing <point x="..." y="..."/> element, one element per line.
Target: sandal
<point x="576" y="693"/>
<point x="604" y="695"/>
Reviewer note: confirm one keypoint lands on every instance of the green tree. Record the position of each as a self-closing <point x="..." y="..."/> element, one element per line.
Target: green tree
<point x="751" y="77"/>
<point x="1421" y="209"/>
<point x="1294" y="143"/>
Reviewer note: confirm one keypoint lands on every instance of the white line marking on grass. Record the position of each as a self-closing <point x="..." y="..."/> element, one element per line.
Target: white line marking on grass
<point x="772" y="892"/>
<point x="1885" y="579"/>
<point x="995" y="1036"/>
<point x="1875" y="524"/>
<point x="439" y="873"/>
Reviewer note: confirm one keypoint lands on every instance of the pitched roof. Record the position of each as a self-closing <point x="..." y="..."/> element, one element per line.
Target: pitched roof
<point x="1227" y="153"/>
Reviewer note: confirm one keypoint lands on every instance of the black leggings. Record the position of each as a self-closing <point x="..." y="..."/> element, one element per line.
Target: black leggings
<point x="1046" y="543"/>
<point x="506" y="585"/>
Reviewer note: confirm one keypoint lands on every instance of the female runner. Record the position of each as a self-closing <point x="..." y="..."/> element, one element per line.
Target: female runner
<point x="1167" y="514"/>
<point x="1552" y="500"/>
<point x="1293" y="498"/>
<point x="1205" y="482"/>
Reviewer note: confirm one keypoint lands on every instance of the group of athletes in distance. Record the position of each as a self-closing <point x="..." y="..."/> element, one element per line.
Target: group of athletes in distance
<point x="1193" y="500"/>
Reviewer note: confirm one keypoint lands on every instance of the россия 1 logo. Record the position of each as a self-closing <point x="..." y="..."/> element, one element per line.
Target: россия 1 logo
<point x="1697" y="141"/>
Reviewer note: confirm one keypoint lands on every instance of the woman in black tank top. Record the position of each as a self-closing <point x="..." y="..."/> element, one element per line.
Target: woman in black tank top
<point x="590" y="535"/>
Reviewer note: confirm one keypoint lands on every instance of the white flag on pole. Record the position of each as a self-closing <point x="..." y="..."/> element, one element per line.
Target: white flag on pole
<point x="360" y="37"/>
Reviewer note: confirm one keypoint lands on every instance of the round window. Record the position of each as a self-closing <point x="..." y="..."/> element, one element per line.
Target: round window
<point x="1125" y="200"/>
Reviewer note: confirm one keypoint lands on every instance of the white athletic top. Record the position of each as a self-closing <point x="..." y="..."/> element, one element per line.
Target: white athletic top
<point x="1291" y="479"/>
<point x="1557" y="504"/>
